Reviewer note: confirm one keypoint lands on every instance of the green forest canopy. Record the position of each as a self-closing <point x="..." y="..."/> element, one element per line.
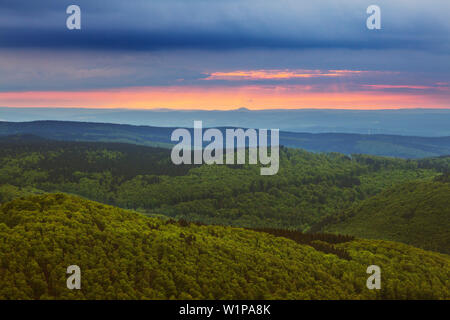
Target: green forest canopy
<point x="417" y="213"/>
<point x="125" y="255"/>
<point x="307" y="188"/>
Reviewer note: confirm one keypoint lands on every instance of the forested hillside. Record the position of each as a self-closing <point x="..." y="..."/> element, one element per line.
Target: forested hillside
<point x="125" y="255"/>
<point x="417" y="213"/>
<point x="307" y="188"/>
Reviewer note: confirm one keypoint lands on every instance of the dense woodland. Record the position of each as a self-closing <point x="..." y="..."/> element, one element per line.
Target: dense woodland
<point x="125" y="255"/>
<point x="416" y="213"/>
<point x="307" y="188"/>
<point x="218" y="232"/>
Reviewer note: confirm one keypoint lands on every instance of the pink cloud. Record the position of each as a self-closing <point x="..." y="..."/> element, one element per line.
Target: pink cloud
<point x="278" y="74"/>
<point x="389" y="86"/>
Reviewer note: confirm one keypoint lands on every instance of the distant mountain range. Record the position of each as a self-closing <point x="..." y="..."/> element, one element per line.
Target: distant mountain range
<point x="374" y="144"/>
<point x="410" y="122"/>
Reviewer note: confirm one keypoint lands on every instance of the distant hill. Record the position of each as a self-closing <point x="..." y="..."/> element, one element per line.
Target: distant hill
<point x="124" y="255"/>
<point x="409" y="122"/>
<point x="417" y="213"/>
<point x="382" y="145"/>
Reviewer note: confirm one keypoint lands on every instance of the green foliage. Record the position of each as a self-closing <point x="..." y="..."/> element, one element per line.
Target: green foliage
<point x="308" y="186"/>
<point x="321" y="241"/>
<point x="9" y="192"/>
<point x="416" y="213"/>
<point x="125" y="255"/>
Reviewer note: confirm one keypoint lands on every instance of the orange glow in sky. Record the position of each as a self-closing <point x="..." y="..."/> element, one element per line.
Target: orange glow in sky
<point x="225" y="98"/>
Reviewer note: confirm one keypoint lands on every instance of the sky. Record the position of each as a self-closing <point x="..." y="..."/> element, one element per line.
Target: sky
<point x="225" y="54"/>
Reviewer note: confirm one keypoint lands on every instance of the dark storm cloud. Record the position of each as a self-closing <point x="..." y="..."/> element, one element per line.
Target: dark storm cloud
<point x="125" y="43"/>
<point x="220" y="24"/>
<point x="150" y="40"/>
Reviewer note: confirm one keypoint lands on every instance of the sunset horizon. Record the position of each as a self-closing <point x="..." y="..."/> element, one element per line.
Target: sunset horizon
<point x="253" y="97"/>
<point x="232" y="55"/>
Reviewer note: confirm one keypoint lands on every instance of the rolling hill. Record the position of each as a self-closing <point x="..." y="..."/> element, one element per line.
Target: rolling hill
<point x="374" y="144"/>
<point x="417" y="213"/>
<point x="407" y="122"/>
<point x="307" y="188"/>
<point x="124" y="255"/>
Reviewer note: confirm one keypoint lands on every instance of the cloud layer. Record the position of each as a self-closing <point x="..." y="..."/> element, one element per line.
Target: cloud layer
<point x="225" y="54"/>
<point x="230" y="24"/>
